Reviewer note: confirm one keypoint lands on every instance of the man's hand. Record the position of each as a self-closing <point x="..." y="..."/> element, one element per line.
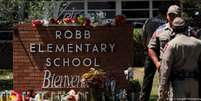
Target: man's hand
<point x="154" y="58"/>
<point x="158" y="65"/>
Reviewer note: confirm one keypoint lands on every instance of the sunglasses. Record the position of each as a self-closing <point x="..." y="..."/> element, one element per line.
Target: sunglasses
<point x="173" y="15"/>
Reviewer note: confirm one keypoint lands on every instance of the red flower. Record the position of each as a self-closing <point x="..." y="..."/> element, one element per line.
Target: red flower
<point x="53" y="21"/>
<point x="67" y="20"/>
<point x="71" y="98"/>
<point x="36" y="23"/>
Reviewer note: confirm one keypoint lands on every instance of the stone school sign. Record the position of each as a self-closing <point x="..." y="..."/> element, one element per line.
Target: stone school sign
<point x="55" y="57"/>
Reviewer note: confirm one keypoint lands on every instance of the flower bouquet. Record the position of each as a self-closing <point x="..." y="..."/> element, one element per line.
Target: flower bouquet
<point x="67" y="21"/>
<point x="94" y="78"/>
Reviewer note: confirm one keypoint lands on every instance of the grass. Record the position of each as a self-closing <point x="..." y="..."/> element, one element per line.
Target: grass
<point x="6" y="74"/>
<point x="139" y="74"/>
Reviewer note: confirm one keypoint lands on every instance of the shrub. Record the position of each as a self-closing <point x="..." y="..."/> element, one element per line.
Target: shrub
<point x="138" y="47"/>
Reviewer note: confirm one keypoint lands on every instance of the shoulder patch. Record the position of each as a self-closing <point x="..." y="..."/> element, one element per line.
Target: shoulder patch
<point x="162" y="26"/>
<point x="159" y="29"/>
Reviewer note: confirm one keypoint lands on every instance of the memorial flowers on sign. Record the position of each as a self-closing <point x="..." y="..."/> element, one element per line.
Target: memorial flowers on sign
<point x="94" y="77"/>
<point x="93" y="20"/>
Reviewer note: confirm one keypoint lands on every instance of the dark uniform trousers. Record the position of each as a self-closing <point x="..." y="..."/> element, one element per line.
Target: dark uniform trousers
<point x="149" y="72"/>
<point x="200" y="87"/>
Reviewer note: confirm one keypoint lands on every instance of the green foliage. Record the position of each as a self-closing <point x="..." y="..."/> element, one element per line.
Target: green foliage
<point x="137" y="34"/>
<point x="40" y="9"/>
<point x="6" y="84"/>
<point x="189" y="7"/>
<point x="138" y="47"/>
<point x="191" y="3"/>
<point x="6" y="74"/>
<point x="8" y="11"/>
<point x="137" y="38"/>
<point x="35" y="9"/>
<point x="136" y="85"/>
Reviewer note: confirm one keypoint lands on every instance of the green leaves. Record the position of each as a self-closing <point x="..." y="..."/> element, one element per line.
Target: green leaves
<point x="137" y="34"/>
<point x="40" y="9"/>
<point x="11" y="11"/>
<point x="8" y="11"/>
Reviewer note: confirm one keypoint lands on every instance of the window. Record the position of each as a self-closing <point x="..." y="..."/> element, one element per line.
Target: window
<point x="135" y="10"/>
<point x="135" y="4"/>
<point x="101" y="5"/>
<point x="75" y="5"/>
<point x="107" y="7"/>
<point x="136" y="14"/>
<point x="71" y="9"/>
<point x="157" y="4"/>
<point x="107" y="14"/>
<point x="72" y="13"/>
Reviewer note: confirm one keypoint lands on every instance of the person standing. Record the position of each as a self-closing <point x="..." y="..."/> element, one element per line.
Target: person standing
<point x="156" y="44"/>
<point x="149" y="68"/>
<point x="162" y="35"/>
<point x="180" y="66"/>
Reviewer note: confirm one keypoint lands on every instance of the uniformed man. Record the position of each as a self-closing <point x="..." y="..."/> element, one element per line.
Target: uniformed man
<point x="180" y="65"/>
<point x="162" y="35"/>
<point x="149" y="27"/>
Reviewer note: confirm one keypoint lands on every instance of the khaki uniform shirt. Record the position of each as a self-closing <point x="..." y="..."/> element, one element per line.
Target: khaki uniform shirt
<point x="159" y="39"/>
<point x="150" y="26"/>
<point x="183" y="53"/>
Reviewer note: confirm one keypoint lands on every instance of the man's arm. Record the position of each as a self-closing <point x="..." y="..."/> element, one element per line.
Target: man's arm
<point x="165" y="71"/>
<point x="152" y="54"/>
<point x="199" y="63"/>
<point x="153" y="46"/>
